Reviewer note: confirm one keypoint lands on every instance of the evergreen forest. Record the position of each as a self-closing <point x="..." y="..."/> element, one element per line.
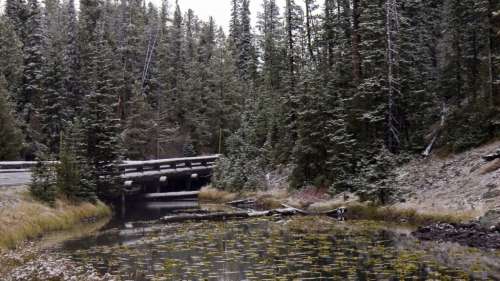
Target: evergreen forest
<point x="337" y="91"/>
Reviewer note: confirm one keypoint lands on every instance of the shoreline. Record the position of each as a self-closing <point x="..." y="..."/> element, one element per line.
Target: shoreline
<point x="23" y="219"/>
<point x="355" y="210"/>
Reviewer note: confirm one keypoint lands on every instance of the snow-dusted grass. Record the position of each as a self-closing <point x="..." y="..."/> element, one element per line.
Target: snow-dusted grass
<point x="29" y="219"/>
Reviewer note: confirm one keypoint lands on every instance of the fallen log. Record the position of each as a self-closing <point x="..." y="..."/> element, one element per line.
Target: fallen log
<point x="493" y="156"/>
<point x="242" y="203"/>
<point x="296" y="209"/>
<point x="222" y="216"/>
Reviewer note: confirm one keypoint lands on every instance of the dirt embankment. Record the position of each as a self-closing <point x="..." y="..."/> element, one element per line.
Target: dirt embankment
<point x="458" y="183"/>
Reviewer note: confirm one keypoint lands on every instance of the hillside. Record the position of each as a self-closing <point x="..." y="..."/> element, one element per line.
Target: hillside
<point x="459" y="182"/>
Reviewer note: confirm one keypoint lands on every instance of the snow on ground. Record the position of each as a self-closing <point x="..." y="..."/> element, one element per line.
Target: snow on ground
<point x="461" y="182"/>
<point x="9" y="179"/>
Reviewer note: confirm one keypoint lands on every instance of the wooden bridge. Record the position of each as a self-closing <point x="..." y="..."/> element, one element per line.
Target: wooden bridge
<point x="149" y="178"/>
<point x="141" y="176"/>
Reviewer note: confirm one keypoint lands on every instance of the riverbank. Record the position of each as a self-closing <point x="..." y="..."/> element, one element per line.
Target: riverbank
<point x="22" y="218"/>
<point x="27" y="228"/>
<point x="317" y="201"/>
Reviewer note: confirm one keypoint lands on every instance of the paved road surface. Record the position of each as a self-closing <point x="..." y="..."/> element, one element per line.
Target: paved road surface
<point x="15" y="178"/>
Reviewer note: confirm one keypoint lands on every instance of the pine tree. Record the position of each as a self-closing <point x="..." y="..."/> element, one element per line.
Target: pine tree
<point x="370" y="100"/>
<point x="52" y="105"/>
<point x="72" y="91"/>
<point x="271" y="44"/>
<point x="139" y="132"/>
<point x="17" y="13"/>
<point x="293" y="29"/>
<point x="44" y="181"/>
<point x="245" y="44"/>
<point x="103" y="146"/>
<point x="235" y="26"/>
<point x="10" y="135"/>
<point x="11" y="57"/>
<point x="68" y="172"/>
<point x="32" y="88"/>
<point x="77" y="146"/>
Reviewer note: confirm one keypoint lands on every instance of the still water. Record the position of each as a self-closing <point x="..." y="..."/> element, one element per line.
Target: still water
<point x="272" y="249"/>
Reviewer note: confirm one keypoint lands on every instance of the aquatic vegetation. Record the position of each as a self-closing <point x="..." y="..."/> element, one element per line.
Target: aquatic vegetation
<point x="268" y="249"/>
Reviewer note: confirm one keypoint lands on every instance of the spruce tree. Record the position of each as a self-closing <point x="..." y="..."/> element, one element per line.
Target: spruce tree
<point x="44" y="180"/>
<point x="30" y="96"/>
<point x="10" y="135"/>
<point x="11" y="57"/>
<point x="139" y="132"/>
<point x="72" y="91"/>
<point x="68" y="171"/>
<point x="100" y="123"/>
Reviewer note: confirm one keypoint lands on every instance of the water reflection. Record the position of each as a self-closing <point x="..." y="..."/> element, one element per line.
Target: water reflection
<point x="267" y="249"/>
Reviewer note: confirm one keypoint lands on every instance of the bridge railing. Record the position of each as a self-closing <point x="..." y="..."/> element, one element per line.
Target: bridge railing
<point x="131" y="166"/>
<point x="21" y="165"/>
<point x="153" y="168"/>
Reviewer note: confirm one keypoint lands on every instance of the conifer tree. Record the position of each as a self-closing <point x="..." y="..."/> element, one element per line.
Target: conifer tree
<point x="139" y="132"/>
<point x="44" y="180"/>
<point x="32" y="90"/>
<point x="72" y="91"/>
<point x="11" y="57"/>
<point x="68" y="171"/>
<point x="100" y="123"/>
<point x="271" y="44"/>
<point x="10" y="136"/>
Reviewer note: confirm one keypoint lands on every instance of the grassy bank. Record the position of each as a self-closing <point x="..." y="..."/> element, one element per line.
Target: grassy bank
<point x="356" y="211"/>
<point x="29" y="219"/>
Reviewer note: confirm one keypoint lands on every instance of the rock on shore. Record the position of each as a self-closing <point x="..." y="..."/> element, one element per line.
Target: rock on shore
<point x="470" y="234"/>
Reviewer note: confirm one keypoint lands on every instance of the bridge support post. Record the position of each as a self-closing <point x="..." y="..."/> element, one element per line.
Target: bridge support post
<point x="124" y="208"/>
<point x="190" y="181"/>
<point x="127" y="184"/>
<point x="163" y="180"/>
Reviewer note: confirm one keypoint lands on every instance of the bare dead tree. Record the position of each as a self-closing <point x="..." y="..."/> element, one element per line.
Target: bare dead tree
<point x="393" y="77"/>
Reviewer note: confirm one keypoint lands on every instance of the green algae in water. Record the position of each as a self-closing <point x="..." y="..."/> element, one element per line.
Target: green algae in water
<point x="262" y="249"/>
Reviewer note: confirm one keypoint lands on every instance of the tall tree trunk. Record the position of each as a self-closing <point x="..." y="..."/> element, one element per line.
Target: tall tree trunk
<point x="356" y="40"/>
<point x="392" y="29"/>
<point x="309" y="30"/>
<point x="491" y="48"/>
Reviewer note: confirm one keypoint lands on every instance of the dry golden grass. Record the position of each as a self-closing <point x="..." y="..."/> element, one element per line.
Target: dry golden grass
<point x="391" y="214"/>
<point x="409" y="216"/>
<point x="209" y="194"/>
<point x="30" y="219"/>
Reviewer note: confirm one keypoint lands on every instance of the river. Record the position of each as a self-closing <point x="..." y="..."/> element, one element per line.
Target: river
<point x="272" y="248"/>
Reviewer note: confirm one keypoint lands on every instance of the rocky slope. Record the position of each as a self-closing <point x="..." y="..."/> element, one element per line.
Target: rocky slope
<point x="463" y="182"/>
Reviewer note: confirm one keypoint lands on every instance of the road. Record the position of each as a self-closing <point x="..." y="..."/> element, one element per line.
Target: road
<point x="18" y="178"/>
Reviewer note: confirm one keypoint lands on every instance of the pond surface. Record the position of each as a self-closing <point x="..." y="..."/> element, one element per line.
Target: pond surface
<point x="275" y="249"/>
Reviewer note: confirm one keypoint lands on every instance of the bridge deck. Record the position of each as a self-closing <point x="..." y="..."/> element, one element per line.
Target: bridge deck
<point x="135" y="171"/>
